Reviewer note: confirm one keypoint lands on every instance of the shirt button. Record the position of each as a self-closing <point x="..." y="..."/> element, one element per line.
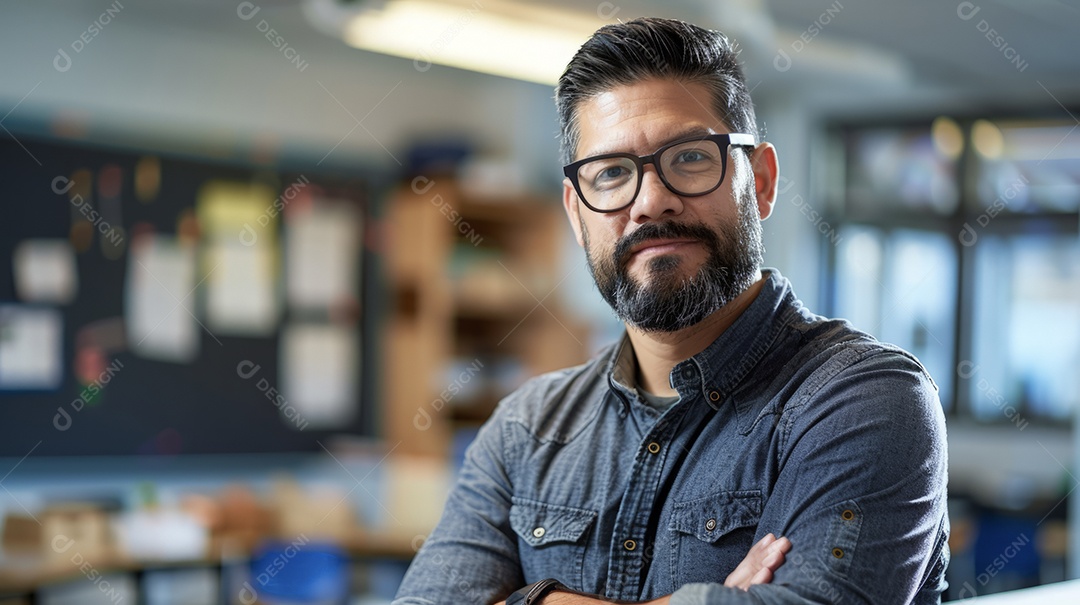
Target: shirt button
<point x="838" y="553"/>
<point x="689" y="372"/>
<point x="538" y="532"/>
<point x="654" y="448"/>
<point x="710" y="524"/>
<point x="629" y="545"/>
<point x="847" y="515"/>
<point x="714" y="395"/>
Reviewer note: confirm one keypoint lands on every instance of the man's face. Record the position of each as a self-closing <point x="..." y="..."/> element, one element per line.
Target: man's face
<point x="666" y="262"/>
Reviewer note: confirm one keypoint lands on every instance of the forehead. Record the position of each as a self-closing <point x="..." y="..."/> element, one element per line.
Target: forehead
<point x="643" y="116"/>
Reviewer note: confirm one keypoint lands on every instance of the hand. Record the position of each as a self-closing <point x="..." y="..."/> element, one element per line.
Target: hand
<point x="764" y="558"/>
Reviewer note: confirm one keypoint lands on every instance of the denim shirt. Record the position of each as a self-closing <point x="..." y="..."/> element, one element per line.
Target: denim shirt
<point x="788" y="423"/>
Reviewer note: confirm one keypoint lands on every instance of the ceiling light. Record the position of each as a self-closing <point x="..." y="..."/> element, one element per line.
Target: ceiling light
<point x="513" y="40"/>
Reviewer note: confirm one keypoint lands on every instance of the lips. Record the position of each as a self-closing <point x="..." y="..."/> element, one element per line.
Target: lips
<point x="660" y="235"/>
<point x="660" y="245"/>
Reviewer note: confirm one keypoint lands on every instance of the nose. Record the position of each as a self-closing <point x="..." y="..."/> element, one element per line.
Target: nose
<point x="655" y="199"/>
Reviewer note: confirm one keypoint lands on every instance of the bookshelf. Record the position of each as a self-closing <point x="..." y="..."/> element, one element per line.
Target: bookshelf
<point x="474" y="310"/>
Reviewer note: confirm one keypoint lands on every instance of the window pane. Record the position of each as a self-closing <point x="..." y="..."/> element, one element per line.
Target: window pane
<point x="900" y="286"/>
<point x="1026" y="341"/>
<point x="1027" y="166"/>
<point x="859" y="276"/>
<point x="900" y="169"/>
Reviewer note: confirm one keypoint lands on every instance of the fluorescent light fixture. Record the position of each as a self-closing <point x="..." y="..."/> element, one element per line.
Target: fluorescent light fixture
<point x="514" y="40"/>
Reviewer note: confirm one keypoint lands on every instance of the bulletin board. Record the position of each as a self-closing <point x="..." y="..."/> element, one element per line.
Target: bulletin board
<point x="156" y="305"/>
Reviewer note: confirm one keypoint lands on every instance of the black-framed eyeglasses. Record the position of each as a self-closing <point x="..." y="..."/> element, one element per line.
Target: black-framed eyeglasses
<point x="688" y="167"/>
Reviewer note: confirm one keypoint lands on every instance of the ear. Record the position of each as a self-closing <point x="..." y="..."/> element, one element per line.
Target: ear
<point x="766" y="168"/>
<point x="573" y="209"/>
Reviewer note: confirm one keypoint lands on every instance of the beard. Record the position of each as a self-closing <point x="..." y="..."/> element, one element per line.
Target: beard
<point x="666" y="301"/>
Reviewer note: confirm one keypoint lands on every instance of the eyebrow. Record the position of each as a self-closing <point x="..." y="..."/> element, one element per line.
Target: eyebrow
<point x="683" y="134"/>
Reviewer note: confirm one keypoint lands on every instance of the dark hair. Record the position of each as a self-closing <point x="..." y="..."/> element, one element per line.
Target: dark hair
<point x="646" y="48"/>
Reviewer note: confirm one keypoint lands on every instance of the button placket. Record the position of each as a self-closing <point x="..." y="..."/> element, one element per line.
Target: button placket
<point x="629" y="556"/>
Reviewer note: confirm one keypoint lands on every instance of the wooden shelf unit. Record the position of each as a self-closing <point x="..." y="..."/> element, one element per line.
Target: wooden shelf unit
<point x="474" y="309"/>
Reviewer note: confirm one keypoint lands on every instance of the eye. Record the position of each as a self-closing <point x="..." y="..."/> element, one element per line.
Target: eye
<point x="611" y="173"/>
<point x="607" y="174"/>
<point x="691" y="156"/>
<point x="697" y="158"/>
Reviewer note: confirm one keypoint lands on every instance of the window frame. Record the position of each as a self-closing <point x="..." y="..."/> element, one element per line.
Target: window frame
<point x="840" y="212"/>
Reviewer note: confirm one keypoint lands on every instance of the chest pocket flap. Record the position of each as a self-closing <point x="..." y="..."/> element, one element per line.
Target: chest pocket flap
<point x="711" y="517"/>
<point x="539" y="523"/>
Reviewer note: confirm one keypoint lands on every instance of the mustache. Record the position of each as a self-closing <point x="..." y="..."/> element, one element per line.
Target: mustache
<point x="665" y="230"/>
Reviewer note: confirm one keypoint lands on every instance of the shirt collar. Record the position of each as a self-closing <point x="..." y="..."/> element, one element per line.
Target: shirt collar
<point x="716" y="371"/>
<point x="622" y="368"/>
<point x="727" y="361"/>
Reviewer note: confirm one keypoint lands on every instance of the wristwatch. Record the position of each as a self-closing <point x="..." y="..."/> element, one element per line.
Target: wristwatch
<point x="531" y="594"/>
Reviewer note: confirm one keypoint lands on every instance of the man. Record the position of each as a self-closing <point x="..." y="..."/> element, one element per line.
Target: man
<point x="728" y="413"/>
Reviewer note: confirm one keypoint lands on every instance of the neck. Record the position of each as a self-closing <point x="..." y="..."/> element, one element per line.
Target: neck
<point x="658" y="352"/>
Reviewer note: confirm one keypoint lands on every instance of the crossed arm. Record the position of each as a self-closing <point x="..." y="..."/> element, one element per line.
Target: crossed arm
<point x="757" y="567"/>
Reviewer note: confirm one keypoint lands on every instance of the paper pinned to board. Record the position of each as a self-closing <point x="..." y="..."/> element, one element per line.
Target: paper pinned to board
<point x="241" y="297"/>
<point x="240" y="264"/>
<point x="45" y="271"/>
<point x="322" y="252"/>
<point x="159" y="300"/>
<point x="31" y="348"/>
<point x="237" y="211"/>
<point x="319" y="366"/>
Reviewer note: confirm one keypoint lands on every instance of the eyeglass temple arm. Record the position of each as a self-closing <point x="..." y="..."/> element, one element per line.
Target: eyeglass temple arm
<point x="741" y="139"/>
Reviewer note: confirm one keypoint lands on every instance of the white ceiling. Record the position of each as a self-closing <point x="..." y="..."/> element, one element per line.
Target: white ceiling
<point x="937" y="45"/>
<point x="944" y="48"/>
<point x="181" y="68"/>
